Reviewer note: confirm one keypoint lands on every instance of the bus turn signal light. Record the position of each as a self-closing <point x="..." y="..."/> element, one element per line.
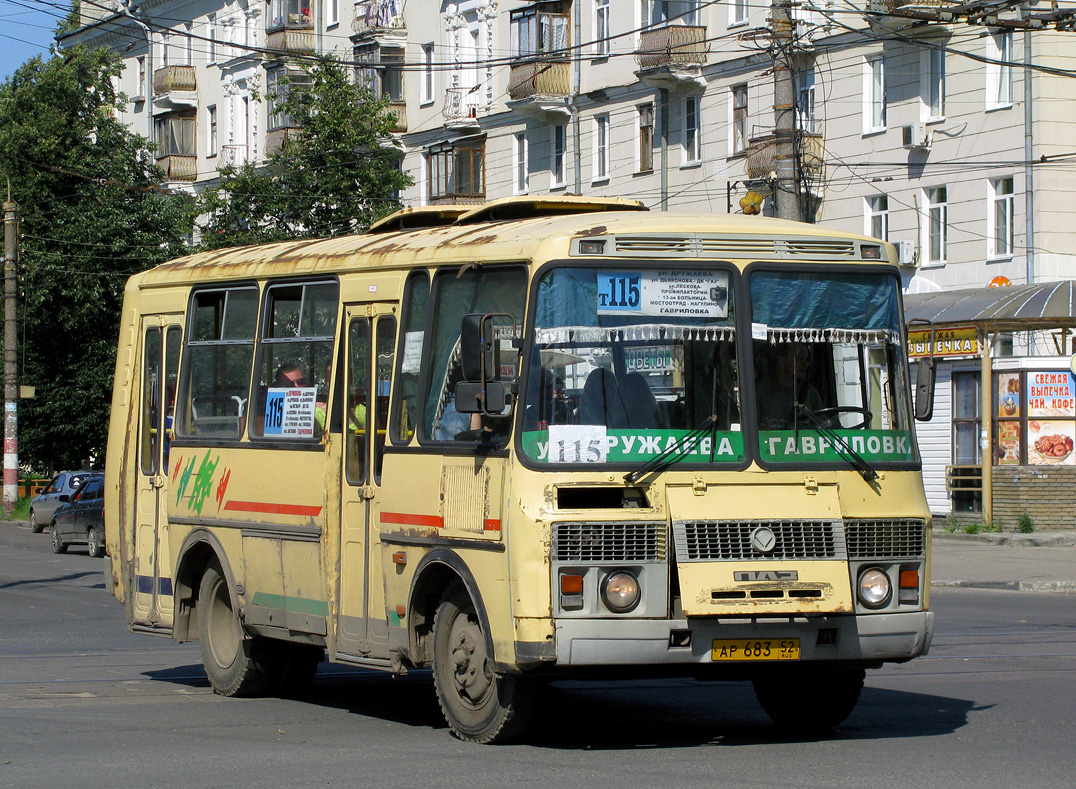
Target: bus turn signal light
<point x="571" y="584"/>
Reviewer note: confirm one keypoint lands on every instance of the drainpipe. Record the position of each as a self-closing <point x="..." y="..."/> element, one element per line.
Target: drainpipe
<point x="1029" y="181"/>
<point x="986" y="438"/>
<point x="125" y="9"/>
<point x="577" y="157"/>
<point x="663" y="93"/>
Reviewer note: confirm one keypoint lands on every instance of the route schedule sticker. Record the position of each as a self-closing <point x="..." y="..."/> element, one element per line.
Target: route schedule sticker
<point x="290" y="412"/>
<point x="700" y="294"/>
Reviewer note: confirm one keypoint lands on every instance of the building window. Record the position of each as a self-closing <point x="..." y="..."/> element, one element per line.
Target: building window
<point x="332" y="13"/>
<point x="520" y="164"/>
<point x="999" y="71"/>
<point x="967" y="424"/>
<point x="937" y="225"/>
<point x="279" y="83"/>
<point x="646" y="138"/>
<point x="601" y="147"/>
<point x="211" y="130"/>
<point x="874" y="98"/>
<point x="164" y="49"/>
<point x="174" y="135"/>
<point x="692" y="151"/>
<point x="1001" y="218"/>
<point x="661" y="13"/>
<point x="381" y="71"/>
<point x="140" y="90"/>
<point x="558" y="168"/>
<point x="457" y="171"/>
<point x="739" y="118"/>
<point x="289" y="13"/>
<point x="738" y="12"/>
<point x="805" y="101"/>
<point x="427" y="73"/>
<point x="211" y="34"/>
<point x="601" y="27"/>
<point x="932" y="69"/>
<point x="540" y="29"/>
<point x="878" y="217"/>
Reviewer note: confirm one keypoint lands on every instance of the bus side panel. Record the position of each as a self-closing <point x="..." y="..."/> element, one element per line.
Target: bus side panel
<point x="120" y="457"/>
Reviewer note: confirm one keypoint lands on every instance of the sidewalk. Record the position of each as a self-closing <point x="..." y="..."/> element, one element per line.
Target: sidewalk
<point x="1043" y="562"/>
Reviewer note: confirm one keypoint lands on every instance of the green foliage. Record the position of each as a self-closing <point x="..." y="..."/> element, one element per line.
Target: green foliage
<point x="1025" y="525"/>
<point x="952" y="524"/>
<point x="973" y="528"/>
<point x="335" y="172"/>
<point x="992" y="528"/>
<point x="91" y="213"/>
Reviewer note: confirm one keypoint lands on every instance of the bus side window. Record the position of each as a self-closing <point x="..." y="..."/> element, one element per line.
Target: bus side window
<point x="358" y="410"/>
<point x="406" y="405"/>
<point x="385" y="353"/>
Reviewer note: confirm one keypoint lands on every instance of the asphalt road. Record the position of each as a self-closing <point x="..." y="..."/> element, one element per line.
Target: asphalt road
<point x="84" y="703"/>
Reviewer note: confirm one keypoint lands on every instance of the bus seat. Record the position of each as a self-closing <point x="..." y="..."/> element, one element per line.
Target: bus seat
<point x="601" y="402"/>
<point x="639" y="402"/>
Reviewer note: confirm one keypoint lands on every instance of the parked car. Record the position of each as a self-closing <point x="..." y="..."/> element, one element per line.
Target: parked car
<point x="43" y="505"/>
<point x="82" y="519"/>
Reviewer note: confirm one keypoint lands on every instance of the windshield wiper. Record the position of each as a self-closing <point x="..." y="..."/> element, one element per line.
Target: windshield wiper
<point x="665" y="458"/>
<point x="855" y="460"/>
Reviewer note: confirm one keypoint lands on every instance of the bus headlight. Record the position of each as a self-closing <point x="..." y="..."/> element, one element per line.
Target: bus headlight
<point x="620" y="591"/>
<point x="874" y="588"/>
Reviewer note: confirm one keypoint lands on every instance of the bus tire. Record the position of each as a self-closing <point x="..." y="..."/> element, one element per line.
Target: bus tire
<point x="480" y="705"/>
<point x="809" y="700"/>
<point x="235" y="663"/>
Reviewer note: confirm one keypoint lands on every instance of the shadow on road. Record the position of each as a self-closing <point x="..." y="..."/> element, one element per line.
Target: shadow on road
<point x="668" y="713"/>
<point x="55" y="580"/>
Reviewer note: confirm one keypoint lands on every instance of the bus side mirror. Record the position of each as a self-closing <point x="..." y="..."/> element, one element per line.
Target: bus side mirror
<point x="924" y="389"/>
<point x="488" y="398"/>
<point x="478" y="351"/>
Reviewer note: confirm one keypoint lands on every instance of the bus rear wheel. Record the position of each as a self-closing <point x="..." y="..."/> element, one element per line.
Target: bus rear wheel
<point x="232" y="659"/>
<point x="809" y="700"/>
<point x="479" y="704"/>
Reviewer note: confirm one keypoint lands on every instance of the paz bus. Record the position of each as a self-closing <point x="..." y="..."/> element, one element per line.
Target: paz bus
<point x="521" y="441"/>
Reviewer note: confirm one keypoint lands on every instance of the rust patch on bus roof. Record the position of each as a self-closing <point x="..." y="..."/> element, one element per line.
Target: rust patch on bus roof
<point x="599" y="230"/>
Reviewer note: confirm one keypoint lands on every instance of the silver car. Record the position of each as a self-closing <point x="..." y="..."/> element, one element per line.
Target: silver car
<point x="59" y="491"/>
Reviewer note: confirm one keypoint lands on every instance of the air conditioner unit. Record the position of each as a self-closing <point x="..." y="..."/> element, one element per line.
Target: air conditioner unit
<point x="915" y="136"/>
<point x="906" y="253"/>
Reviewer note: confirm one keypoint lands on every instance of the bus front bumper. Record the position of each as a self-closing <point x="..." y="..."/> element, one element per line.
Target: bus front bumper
<point x="834" y="638"/>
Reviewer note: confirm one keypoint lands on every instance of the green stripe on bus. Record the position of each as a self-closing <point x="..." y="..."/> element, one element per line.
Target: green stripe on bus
<point x="294" y="605"/>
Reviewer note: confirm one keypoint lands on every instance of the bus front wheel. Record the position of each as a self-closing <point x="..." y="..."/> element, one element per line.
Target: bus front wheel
<point x="809" y="700"/>
<point x="230" y="656"/>
<point x="479" y="704"/>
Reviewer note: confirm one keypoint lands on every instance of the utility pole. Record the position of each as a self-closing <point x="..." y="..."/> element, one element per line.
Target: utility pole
<point x="787" y="188"/>
<point x="11" y="380"/>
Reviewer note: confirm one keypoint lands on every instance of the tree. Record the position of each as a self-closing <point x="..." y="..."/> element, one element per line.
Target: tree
<point x="91" y="213"/>
<point x="335" y="172"/>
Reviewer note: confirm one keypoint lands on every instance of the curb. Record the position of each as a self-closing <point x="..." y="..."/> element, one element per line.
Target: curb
<point x="1059" y="539"/>
<point x="1056" y="587"/>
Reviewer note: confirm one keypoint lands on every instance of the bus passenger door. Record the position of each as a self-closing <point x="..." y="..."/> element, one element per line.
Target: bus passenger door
<point x="152" y="582"/>
<point x="369" y="349"/>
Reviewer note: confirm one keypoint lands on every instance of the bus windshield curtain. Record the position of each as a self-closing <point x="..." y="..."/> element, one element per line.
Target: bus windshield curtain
<point x="810" y="301"/>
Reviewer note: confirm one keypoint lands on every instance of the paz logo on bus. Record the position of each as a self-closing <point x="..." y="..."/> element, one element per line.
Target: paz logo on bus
<point x="766" y="575"/>
<point x="763" y="539"/>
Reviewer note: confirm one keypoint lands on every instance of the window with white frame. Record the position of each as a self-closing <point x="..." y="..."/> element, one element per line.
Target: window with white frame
<point x="645" y="162"/>
<point x="601" y="147"/>
<point x="805" y="101"/>
<point x="520" y="164"/>
<point x="692" y="146"/>
<point x="211" y="130"/>
<point x="936" y="227"/>
<point x="188" y="45"/>
<point x="739" y="118"/>
<point x="558" y="149"/>
<point x="332" y="13"/>
<point x="279" y="83"/>
<point x="661" y="13"/>
<point x="738" y="12"/>
<point x="877" y="217"/>
<point x="932" y="84"/>
<point x="164" y="49"/>
<point x="874" y="98"/>
<point x="1001" y="218"/>
<point x="601" y="28"/>
<point x="540" y="28"/>
<point x="211" y="34"/>
<point x="380" y="70"/>
<point x="140" y="90"/>
<point x="427" y="73"/>
<point x="999" y="70"/>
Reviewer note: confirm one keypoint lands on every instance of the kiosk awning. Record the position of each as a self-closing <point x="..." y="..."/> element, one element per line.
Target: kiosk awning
<point x="1015" y="307"/>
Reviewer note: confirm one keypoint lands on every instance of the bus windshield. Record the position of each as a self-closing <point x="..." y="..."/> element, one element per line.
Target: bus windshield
<point x="829" y="368"/>
<point x="627" y="364"/>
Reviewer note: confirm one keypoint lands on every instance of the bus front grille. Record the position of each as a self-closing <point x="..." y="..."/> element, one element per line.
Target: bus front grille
<point x="608" y="542"/>
<point x="886" y="539"/>
<point x="707" y="541"/>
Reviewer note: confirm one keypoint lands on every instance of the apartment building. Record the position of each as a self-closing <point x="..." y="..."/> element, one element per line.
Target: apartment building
<point x="919" y="133"/>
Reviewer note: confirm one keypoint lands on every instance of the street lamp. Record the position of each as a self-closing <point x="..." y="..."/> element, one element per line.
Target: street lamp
<point x="125" y="9"/>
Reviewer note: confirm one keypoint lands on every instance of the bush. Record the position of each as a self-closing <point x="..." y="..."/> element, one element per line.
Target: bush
<point x="973" y="528"/>
<point x="1025" y="525"/>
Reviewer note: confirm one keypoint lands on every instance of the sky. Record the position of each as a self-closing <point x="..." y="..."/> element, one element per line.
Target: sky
<point x="26" y="28"/>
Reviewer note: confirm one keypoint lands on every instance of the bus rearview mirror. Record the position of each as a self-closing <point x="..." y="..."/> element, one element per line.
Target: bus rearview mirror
<point x="478" y="351"/>
<point x="488" y="398"/>
<point x="924" y="390"/>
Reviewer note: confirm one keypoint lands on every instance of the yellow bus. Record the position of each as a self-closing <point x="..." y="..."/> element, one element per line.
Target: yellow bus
<point x="522" y="441"/>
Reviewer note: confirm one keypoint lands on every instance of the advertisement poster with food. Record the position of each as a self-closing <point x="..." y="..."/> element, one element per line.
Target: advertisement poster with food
<point x="1051" y="394"/>
<point x="1049" y="443"/>
<point x="1007" y="447"/>
<point x="1009" y="394"/>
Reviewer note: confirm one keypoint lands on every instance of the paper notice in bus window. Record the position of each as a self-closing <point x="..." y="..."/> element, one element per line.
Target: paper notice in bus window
<point x="290" y="412"/>
<point x="412" y="352"/>
<point x="577" y="444"/>
<point x="671" y="294"/>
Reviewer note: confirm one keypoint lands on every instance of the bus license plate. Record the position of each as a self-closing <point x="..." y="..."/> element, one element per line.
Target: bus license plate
<point x="756" y="649"/>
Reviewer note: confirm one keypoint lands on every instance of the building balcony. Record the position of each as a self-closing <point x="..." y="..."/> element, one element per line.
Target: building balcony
<point x="542" y="77"/>
<point x="461" y="107"/>
<point x="399" y="108"/>
<point x="274" y="139"/>
<point x="179" y="167"/>
<point x="761" y="161"/>
<point x="175" y="86"/>
<point x="297" y="38"/>
<point x="372" y="16"/>
<point x="231" y="156"/>
<point x="672" y="47"/>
